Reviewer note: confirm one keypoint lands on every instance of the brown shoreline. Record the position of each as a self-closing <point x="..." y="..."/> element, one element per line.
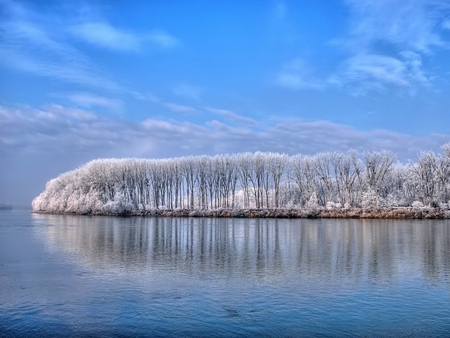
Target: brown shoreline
<point x="354" y="213"/>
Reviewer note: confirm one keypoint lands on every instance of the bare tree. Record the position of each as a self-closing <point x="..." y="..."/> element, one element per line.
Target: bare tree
<point x="249" y="180"/>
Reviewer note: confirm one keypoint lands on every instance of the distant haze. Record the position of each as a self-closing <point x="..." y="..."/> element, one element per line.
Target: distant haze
<point x="82" y="80"/>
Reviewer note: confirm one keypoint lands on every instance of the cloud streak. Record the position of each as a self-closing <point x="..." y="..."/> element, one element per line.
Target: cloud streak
<point x="88" y="100"/>
<point x="387" y="42"/>
<point x="35" y="44"/>
<point x="411" y="25"/>
<point x="186" y="109"/>
<point x="104" y="35"/>
<point x="297" y="75"/>
<point x="37" y="126"/>
<point x="38" y="44"/>
<point x="178" y="108"/>
<point x="364" y="72"/>
<point x="232" y="116"/>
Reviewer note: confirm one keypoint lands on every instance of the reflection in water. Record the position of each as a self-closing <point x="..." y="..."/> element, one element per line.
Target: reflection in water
<point x="323" y="250"/>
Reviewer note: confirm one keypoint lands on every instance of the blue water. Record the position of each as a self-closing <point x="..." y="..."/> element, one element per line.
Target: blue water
<point x="74" y="276"/>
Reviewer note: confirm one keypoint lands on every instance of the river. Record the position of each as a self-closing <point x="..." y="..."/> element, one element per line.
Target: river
<point x="71" y="276"/>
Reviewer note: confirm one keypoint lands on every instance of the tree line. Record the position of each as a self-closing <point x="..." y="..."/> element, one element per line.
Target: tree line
<point x="260" y="180"/>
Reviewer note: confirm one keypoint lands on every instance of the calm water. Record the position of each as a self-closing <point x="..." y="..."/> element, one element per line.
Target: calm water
<point x="77" y="276"/>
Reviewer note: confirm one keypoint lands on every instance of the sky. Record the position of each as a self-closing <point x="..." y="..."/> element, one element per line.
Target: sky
<point x="81" y="80"/>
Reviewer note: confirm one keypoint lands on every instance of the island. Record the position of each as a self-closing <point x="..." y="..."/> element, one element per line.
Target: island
<point x="262" y="184"/>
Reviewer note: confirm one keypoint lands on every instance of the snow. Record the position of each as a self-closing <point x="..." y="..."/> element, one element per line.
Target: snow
<point x="331" y="181"/>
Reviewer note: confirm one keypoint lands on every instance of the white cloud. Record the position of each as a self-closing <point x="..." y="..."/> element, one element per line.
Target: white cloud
<point x="231" y="116"/>
<point x="377" y="68"/>
<point x="71" y="113"/>
<point x="178" y="108"/>
<point x="162" y="39"/>
<point x="89" y="100"/>
<point x="146" y="97"/>
<point x="174" y="107"/>
<point x="389" y="39"/>
<point x="297" y="81"/>
<point x="386" y="42"/>
<point x="32" y="127"/>
<point x="187" y="109"/>
<point x="413" y="62"/>
<point x="408" y="24"/>
<point x="104" y="35"/>
<point x="298" y="74"/>
<point x="35" y="44"/>
<point x="58" y="138"/>
<point x="371" y="71"/>
<point x="362" y="72"/>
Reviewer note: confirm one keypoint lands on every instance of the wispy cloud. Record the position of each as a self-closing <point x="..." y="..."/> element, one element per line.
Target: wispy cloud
<point x="231" y="116"/>
<point x="179" y="108"/>
<point x="389" y="39"/>
<point x="188" y="91"/>
<point x="161" y="38"/>
<point x="189" y="109"/>
<point x="297" y="74"/>
<point x="71" y="113"/>
<point x="172" y="106"/>
<point x="412" y="25"/>
<point x="376" y="68"/>
<point x="298" y="81"/>
<point x="58" y="138"/>
<point x="386" y="44"/>
<point x="89" y="100"/>
<point x="363" y="72"/>
<point x="52" y="129"/>
<point x="33" y="43"/>
<point x="146" y="97"/>
<point x="104" y="35"/>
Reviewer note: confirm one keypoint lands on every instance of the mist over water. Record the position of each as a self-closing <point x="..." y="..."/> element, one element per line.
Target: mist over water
<point x="221" y="277"/>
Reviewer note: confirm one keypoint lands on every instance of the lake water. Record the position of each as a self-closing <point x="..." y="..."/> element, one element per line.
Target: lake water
<point x="77" y="276"/>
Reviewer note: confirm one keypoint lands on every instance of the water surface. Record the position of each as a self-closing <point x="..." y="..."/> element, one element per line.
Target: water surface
<point x="72" y="276"/>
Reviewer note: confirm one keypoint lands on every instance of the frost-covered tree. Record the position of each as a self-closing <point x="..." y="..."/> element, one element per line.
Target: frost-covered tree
<point x="249" y="180"/>
<point x="424" y="174"/>
<point x="370" y="199"/>
<point x="378" y="165"/>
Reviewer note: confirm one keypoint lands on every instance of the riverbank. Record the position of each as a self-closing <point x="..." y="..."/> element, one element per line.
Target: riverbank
<point x="355" y="213"/>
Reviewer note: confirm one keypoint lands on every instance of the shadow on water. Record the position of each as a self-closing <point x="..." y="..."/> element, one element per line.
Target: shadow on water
<point x="323" y="250"/>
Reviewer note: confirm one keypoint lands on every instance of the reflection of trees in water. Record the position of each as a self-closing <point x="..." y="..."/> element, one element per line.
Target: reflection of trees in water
<point x="105" y="240"/>
<point x="320" y="249"/>
<point x="436" y="247"/>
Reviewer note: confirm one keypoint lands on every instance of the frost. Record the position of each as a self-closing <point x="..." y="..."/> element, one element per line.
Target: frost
<point x="313" y="202"/>
<point x="417" y="205"/>
<point x="263" y="181"/>
<point x="370" y="199"/>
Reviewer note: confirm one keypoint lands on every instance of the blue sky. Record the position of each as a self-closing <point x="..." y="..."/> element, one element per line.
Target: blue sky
<point x="83" y="80"/>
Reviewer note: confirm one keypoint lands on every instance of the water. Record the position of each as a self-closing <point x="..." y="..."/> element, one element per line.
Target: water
<point x="78" y="276"/>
